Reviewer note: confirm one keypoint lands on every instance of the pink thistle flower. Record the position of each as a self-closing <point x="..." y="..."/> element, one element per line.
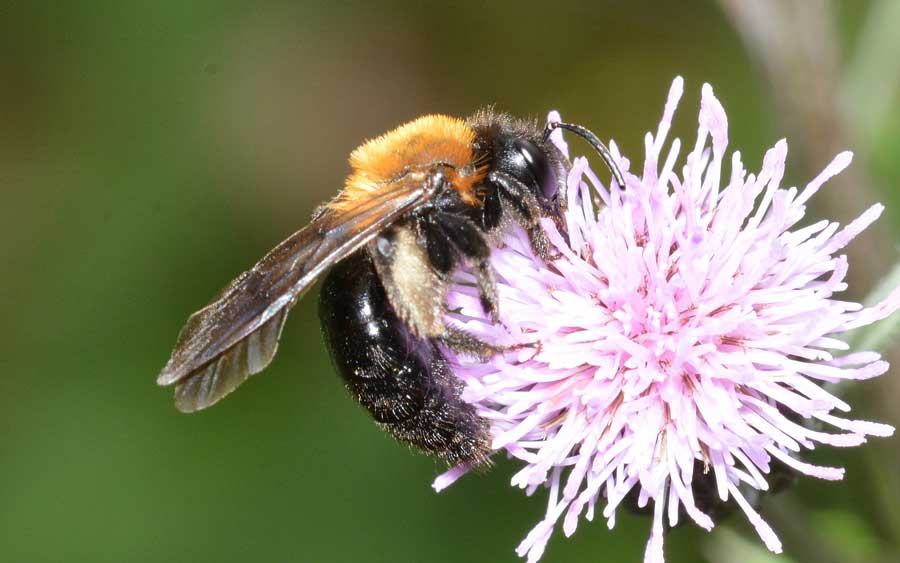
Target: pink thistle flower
<point x="681" y="334"/>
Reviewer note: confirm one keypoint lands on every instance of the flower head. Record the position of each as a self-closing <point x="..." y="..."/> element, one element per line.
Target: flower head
<point x="682" y="335"/>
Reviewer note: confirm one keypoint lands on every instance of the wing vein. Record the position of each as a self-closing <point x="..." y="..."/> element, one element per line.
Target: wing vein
<point x="236" y="335"/>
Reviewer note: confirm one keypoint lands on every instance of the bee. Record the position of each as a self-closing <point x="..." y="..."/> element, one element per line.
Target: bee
<point x="421" y="201"/>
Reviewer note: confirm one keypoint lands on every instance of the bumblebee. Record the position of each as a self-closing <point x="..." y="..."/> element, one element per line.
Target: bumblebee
<point x="420" y="201"/>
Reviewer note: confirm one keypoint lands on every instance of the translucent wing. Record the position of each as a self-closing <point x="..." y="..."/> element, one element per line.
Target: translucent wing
<point x="236" y="335"/>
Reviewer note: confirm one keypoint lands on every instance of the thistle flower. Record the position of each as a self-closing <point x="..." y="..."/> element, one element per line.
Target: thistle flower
<point x="683" y="334"/>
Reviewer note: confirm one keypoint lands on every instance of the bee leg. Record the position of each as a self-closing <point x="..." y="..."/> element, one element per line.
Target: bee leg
<point x="487" y="289"/>
<point x="464" y="343"/>
<point x="441" y="253"/>
<point x="414" y="287"/>
<point x="525" y="207"/>
<point x="492" y="211"/>
<point x="470" y="242"/>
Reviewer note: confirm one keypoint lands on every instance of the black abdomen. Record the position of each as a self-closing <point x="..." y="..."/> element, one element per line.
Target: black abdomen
<point x="403" y="381"/>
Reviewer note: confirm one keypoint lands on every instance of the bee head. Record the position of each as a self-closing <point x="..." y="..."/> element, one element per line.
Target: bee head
<point x="518" y="148"/>
<point x="529" y="162"/>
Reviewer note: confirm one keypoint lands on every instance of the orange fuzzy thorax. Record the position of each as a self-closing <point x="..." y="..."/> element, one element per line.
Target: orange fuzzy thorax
<point x="414" y="146"/>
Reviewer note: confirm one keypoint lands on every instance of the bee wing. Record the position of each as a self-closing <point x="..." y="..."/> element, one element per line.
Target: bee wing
<point x="236" y="335"/>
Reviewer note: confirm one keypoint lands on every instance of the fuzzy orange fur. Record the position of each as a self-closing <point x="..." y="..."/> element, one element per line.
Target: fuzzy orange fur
<point x="414" y="146"/>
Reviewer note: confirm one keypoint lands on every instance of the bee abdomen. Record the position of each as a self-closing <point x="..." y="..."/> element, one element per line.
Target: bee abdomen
<point x="404" y="382"/>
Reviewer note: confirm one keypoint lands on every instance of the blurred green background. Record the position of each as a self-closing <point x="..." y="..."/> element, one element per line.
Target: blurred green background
<point x="150" y="151"/>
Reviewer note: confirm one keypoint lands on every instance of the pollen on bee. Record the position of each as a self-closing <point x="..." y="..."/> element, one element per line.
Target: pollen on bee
<point x="417" y="145"/>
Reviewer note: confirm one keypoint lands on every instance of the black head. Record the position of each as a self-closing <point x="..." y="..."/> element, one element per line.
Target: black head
<point x="518" y="148"/>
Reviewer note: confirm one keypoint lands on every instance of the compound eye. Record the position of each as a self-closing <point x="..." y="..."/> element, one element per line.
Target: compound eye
<point x="536" y="167"/>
